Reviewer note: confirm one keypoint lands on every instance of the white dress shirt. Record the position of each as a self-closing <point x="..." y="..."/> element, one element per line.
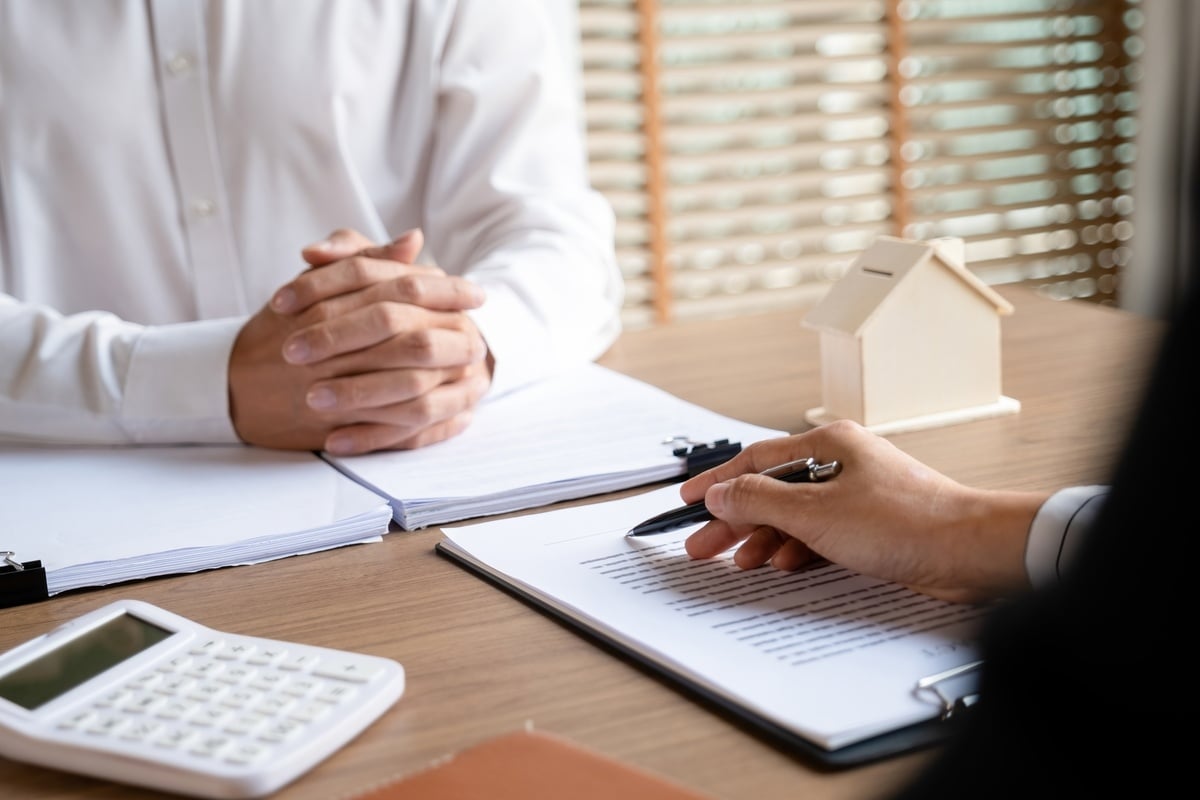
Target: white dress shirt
<point x="163" y="162"/>
<point x="1058" y="529"/>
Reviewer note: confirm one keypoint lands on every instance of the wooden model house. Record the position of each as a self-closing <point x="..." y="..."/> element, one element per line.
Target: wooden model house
<point x="910" y="338"/>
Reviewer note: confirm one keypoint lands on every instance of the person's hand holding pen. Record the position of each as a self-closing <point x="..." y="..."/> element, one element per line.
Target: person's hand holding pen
<point x="885" y="514"/>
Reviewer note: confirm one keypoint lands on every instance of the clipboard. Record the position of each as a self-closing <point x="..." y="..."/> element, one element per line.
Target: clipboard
<point x="833" y="666"/>
<point x="954" y="709"/>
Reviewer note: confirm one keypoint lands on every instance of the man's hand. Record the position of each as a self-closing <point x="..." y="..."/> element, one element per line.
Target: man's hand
<point x="367" y="351"/>
<point x="886" y="514"/>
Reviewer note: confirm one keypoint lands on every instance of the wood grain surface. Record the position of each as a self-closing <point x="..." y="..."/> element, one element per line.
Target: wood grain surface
<point x="481" y="663"/>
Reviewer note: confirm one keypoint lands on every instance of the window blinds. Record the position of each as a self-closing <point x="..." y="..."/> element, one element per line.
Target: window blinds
<point x="751" y="149"/>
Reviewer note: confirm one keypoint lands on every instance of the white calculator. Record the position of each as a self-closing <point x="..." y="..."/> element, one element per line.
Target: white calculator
<point x="138" y="695"/>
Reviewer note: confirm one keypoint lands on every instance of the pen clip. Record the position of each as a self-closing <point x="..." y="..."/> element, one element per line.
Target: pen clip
<point x="820" y="472"/>
<point x="804" y="469"/>
<point x="790" y="467"/>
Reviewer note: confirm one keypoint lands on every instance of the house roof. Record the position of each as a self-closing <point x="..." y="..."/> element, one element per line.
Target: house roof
<point x="851" y="302"/>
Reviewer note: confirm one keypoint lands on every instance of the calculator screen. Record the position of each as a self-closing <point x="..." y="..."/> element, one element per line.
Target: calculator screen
<point x="79" y="659"/>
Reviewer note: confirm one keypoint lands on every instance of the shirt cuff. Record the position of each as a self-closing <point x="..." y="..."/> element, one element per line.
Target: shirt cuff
<point x="518" y="335"/>
<point x="517" y="340"/>
<point x="1058" y="528"/>
<point x="177" y="387"/>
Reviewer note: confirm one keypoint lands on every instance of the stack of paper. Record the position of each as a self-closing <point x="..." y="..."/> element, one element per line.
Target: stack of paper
<point x="587" y="431"/>
<point x="138" y="512"/>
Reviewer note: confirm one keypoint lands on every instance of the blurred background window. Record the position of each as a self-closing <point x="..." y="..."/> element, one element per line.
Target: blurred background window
<point x="751" y="148"/>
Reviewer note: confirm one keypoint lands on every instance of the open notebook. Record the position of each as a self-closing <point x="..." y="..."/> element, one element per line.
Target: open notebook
<point x="586" y="431"/>
<point x="837" y="665"/>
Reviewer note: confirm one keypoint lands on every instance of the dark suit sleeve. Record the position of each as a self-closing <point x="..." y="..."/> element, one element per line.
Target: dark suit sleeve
<point x="1089" y="686"/>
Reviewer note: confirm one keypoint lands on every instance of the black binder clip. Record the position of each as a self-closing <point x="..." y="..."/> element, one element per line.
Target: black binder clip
<point x="952" y="707"/>
<point x="21" y="582"/>
<point x="704" y="455"/>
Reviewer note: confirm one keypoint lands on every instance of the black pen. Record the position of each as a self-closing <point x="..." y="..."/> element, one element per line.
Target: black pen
<point x="801" y="471"/>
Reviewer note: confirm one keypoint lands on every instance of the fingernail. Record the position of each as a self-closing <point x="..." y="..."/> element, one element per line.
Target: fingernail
<point x="296" y="352"/>
<point x="283" y="300"/>
<point x="714" y="498"/>
<point x="339" y="444"/>
<point x="320" y="246"/>
<point x="408" y="233"/>
<point x="322" y="397"/>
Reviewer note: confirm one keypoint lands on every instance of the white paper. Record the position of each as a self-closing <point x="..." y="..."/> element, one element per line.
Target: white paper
<point x="586" y="431"/>
<point x="828" y="654"/>
<point x="99" y="515"/>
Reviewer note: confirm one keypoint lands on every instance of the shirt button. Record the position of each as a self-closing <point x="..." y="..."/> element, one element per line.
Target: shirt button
<point x="203" y="207"/>
<point x="179" y="64"/>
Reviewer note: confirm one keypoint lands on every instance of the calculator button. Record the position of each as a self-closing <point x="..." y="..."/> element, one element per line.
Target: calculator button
<point x="295" y="661"/>
<point x="176" y="664"/>
<point x="210" y="746"/>
<point x="207" y="691"/>
<point x="347" y="670"/>
<point x="77" y="720"/>
<point x="336" y="694"/>
<point x="310" y="712"/>
<point x="143" y="704"/>
<point x="235" y="651"/>
<point x="300" y="687"/>
<point x="205" y="669"/>
<point x="237" y="674"/>
<point x="268" y="680"/>
<point x="239" y="698"/>
<point x="244" y="724"/>
<point x="142" y="730"/>
<point x="274" y="704"/>
<point x="210" y="716"/>
<point x="174" y="737"/>
<point x="146" y="680"/>
<point x="175" y="684"/>
<point x="106" y="724"/>
<point x="114" y="698"/>
<point x="206" y="646"/>
<point x="281" y="730"/>
<point x="247" y="753"/>
<point x="266" y="656"/>
<point x="175" y="709"/>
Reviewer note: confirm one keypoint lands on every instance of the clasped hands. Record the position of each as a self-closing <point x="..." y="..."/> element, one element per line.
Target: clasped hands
<point x="364" y="351"/>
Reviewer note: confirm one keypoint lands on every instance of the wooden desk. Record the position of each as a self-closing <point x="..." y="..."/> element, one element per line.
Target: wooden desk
<point x="481" y="663"/>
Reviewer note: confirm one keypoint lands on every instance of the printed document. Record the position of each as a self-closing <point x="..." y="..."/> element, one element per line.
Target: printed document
<point x="828" y="654"/>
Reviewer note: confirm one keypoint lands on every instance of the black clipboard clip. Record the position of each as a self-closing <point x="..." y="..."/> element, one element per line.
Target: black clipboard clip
<point x="952" y="707"/>
<point x="703" y="455"/>
<point x="21" y="581"/>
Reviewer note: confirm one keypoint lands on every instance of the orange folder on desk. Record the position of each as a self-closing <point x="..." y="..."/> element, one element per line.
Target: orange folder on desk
<point x="530" y="765"/>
